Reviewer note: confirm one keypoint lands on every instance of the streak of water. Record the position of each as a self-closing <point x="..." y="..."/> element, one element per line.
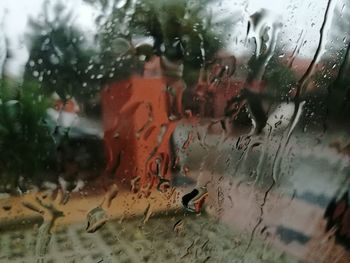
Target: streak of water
<point x="297" y="48"/>
<point x="304" y="81"/>
<point x="301" y="87"/>
<point x="50" y="213"/>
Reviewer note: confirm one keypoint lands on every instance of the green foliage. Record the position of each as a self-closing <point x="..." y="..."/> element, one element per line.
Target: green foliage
<point x="60" y="57"/>
<point x="26" y="147"/>
<point x="180" y="30"/>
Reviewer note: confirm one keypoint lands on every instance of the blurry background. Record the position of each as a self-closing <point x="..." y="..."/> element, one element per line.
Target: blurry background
<point x="257" y="105"/>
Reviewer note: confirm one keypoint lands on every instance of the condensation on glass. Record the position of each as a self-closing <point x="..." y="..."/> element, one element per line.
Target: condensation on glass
<point x="174" y="131"/>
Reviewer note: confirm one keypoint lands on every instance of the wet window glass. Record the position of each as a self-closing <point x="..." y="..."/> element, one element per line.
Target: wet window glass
<point x="174" y="131"/>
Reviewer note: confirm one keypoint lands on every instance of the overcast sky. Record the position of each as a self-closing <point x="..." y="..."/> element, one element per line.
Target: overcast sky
<point x="297" y="16"/>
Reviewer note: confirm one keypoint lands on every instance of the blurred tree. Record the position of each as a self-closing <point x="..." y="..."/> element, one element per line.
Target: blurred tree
<point x="60" y="57"/>
<point x="26" y="146"/>
<point x="181" y="31"/>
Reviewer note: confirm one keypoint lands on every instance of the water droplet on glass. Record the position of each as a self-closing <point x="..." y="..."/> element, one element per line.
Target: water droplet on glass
<point x="96" y="218"/>
<point x="194" y="200"/>
<point x="178" y="226"/>
<point x="110" y="195"/>
<point x="147" y="214"/>
<point x="6" y="207"/>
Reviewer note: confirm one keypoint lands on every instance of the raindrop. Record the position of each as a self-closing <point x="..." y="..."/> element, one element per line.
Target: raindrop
<point x="178" y="226"/>
<point x="163" y="185"/>
<point x="54" y="59"/>
<point x="194" y="200"/>
<point x="46" y="41"/>
<point x="6" y="207"/>
<point x="147" y="214"/>
<point x="188" y="140"/>
<point x="278" y="123"/>
<point x="110" y="195"/>
<point x="135" y="184"/>
<point x="96" y="218"/>
<point x="50" y="214"/>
